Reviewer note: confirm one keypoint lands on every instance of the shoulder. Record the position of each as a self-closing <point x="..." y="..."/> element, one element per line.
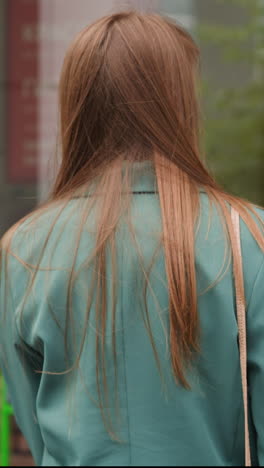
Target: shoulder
<point x="211" y="231"/>
<point x="40" y="231"/>
<point x="210" y="211"/>
<point x="248" y="241"/>
<point x="258" y="217"/>
<point x="253" y="256"/>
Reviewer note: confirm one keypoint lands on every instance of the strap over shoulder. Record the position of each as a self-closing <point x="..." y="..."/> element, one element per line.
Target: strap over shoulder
<point x="241" y="320"/>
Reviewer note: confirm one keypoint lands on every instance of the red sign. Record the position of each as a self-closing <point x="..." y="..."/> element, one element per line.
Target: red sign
<point x="22" y="96"/>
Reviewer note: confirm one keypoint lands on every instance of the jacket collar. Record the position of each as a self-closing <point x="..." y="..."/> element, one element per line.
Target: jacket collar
<point x="143" y="178"/>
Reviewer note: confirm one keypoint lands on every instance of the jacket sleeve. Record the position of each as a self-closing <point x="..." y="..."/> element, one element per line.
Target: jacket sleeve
<point x="255" y="320"/>
<point x="18" y="361"/>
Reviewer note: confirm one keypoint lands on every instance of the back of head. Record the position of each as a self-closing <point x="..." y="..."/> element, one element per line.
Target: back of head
<point x="128" y="91"/>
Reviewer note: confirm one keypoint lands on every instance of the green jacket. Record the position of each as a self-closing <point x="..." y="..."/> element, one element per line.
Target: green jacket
<point x="160" y="423"/>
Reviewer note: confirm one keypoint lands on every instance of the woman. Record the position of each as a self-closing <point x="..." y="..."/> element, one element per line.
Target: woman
<point x="119" y="332"/>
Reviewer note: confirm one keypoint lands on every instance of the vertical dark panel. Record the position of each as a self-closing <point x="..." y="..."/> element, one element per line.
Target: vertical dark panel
<point x="22" y="82"/>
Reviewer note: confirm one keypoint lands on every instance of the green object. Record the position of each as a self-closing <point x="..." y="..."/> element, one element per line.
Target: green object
<point x="6" y="412"/>
<point x="159" y="423"/>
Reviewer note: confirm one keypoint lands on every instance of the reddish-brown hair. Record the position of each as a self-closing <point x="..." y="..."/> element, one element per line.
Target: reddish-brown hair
<point x="128" y="93"/>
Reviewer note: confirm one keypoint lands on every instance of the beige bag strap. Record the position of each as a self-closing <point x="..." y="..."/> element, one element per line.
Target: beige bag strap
<point x="241" y="320"/>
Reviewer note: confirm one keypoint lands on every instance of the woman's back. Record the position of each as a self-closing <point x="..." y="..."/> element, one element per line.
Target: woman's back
<point x="118" y="324"/>
<point x="156" y="421"/>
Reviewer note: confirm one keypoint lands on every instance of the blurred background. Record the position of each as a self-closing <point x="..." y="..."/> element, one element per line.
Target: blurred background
<point x="34" y="35"/>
